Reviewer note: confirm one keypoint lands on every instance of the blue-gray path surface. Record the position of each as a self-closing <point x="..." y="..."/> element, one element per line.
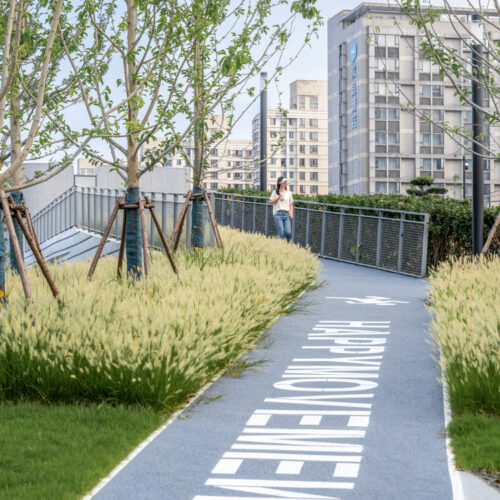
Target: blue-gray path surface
<point x="348" y="407"/>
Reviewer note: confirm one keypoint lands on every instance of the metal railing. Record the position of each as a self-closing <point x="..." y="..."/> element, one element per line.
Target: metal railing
<point x="392" y="240"/>
<point x="90" y="208"/>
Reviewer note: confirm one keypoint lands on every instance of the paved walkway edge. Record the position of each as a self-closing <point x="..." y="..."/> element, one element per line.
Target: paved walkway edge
<point x="463" y="486"/>
<point x="190" y="402"/>
<point x="151" y="438"/>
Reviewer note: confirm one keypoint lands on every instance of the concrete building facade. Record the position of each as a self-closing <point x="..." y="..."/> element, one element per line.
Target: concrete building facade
<point x="375" y="69"/>
<point x="297" y="144"/>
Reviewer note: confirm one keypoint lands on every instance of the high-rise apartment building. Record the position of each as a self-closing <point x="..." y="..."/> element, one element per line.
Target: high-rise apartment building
<point x="375" y="67"/>
<point x="297" y="144"/>
<point x="229" y="162"/>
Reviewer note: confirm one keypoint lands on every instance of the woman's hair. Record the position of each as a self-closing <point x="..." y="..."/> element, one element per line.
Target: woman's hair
<point x="278" y="184"/>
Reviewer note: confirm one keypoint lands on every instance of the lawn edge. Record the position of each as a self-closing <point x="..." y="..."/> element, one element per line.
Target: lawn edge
<point x="190" y="402"/>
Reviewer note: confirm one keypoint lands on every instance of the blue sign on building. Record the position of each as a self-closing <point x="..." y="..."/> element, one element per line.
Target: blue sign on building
<point x="353" y="51"/>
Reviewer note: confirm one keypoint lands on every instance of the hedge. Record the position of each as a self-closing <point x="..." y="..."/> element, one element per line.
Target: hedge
<point x="450" y="220"/>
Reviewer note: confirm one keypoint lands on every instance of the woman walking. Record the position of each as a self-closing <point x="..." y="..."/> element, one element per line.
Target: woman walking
<point x="282" y="201"/>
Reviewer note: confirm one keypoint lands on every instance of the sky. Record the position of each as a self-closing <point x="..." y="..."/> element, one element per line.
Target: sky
<point x="312" y="62"/>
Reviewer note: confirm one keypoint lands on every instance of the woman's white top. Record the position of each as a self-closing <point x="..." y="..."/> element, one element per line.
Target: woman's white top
<point x="283" y="204"/>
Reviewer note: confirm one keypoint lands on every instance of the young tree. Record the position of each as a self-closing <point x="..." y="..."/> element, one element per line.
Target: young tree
<point x="231" y="44"/>
<point x="20" y="21"/>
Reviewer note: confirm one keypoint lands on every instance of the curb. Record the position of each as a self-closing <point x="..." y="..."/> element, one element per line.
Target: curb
<point x="464" y="485"/>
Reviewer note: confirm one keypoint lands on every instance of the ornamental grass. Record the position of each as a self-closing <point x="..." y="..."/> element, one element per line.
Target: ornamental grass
<point x="466" y="327"/>
<point x="153" y="342"/>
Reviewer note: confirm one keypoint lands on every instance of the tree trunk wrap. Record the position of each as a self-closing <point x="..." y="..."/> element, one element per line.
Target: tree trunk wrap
<point x="133" y="236"/>
<point x="197" y="225"/>
<point x="2" y="266"/>
<point x="18" y="198"/>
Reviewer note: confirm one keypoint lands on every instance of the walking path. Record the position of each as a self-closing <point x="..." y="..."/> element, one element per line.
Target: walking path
<point x="348" y="407"/>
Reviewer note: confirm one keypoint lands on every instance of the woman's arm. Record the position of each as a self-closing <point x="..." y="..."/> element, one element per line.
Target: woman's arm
<point x="291" y="210"/>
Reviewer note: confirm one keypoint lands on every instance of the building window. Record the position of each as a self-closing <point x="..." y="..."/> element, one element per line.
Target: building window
<point x="290" y="175"/>
<point x="302" y="189"/>
<point x="302" y="122"/>
<point x="437" y="91"/>
<point x="393" y="138"/>
<point x="380" y="52"/>
<point x="283" y="162"/>
<point x="302" y="162"/>
<point x="313" y="102"/>
<point x="302" y="176"/>
<point x="393" y="113"/>
<point x="313" y="162"/>
<point x="380" y="138"/>
<point x="313" y="136"/>
<point x="272" y="174"/>
<point x="291" y="122"/>
<point x="468" y="116"/>
<point x="425" y="139"/>
<point x="273" y="133"/>
<point x="229" y="175"/>
<point x="437" y="164"/>
<point x="380" y="40"/>
<point x="313" y="189"/>
<point x="292" y="186"/>
<point x="313" y="176"/>
<point x="394" y="163"/>
<point x="213" y="185"/>
<point x="272" y="121"/>
<point x="380" y="113"/>
<point x="437" y="139"/>
<point x="302" y="102"/>
<point x="291" y="148"/>
<point x="273" y="161"/>
<point x="381" y="187"/>
<point x="381" y="163"/>
<point x="214" y="152"/>
<point x="179" y="162"/>
<point x="393" y="187"/>
<point x="237" y="175"/>
<point x="291" y="161"/>
<point x="313" y="150"/>
<point x="313" y="123"/>
<point x="425" y="90"/>
<point x="392" y="52"/>
<point x="302" y="136"/>
<point x="213" y="163"/>
<point x="213" y="175"/>
<point x="302" y="149"/>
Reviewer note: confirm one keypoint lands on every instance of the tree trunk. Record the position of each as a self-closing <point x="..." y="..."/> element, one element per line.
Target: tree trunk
<point x="197" y="219"/>
<point x="133" y="235"/>
<point x="15" y="145"/>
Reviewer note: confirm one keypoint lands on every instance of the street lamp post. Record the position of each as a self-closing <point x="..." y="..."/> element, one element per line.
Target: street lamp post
<point x="465" y="166"/>
<point x="263" y="132"/>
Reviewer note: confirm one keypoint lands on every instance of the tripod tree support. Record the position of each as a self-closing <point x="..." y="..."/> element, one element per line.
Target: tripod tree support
<point x="104" y="238"/>
<point x="176" y="235"/>
<point x="137" y="209"/>
<point x="18" y="198"/>
<point x="38" y="256"/>
<point x="15" y="247"/>
<point x="3" y="299"/>
<point x="491" y="235"/>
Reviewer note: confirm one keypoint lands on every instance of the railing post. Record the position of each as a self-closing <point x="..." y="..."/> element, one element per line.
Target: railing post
<point x="176" y="212"/>
<point x="379" y="238"/>
<point x="341" y="233"/>
<point x="423" y="269"/>
<point x="266" y="222"/>
<point x="164" y="213"/>
<point x="358" y="236"/>
<point x="401" y="236"/>
<point x="308" y="217"/>
<point x="323" y="232"/>
<point x="232" y="213"/>
<point x="152" y="222"/>
<point x="243" y="203"/>
<point x="223" y="215"/>
<point x="254" y="218"/>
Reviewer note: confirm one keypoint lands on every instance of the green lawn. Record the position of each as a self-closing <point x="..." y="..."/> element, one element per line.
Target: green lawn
<point x="475" y="440"/>
<point x="60" y="452"/>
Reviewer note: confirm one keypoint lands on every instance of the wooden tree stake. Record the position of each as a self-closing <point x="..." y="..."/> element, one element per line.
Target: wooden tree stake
<point x="103" y="240"/>
<point x="162" y="237"/>
<point x="145" y="246"/>
<point x="176" y="235"/>
<point x="122" y="245"/>
<point x="215" y="227"/>
<point x="491" y="236"/>
<point x="17" y="249"/>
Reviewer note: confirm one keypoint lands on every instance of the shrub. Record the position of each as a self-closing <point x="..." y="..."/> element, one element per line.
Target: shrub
<point x="466" y="327"/>
<point x="153" y="342"/>
<point x="450" y="222"/>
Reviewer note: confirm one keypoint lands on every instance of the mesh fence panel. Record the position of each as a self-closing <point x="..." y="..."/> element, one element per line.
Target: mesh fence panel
<point x="248" y="217"/>
<point x="271" y="225"/>
<point x="260" y="218"/>
<point x="300" y="218"/>
<point x="218" y="210"/>
<point x="413" y="243"/>
<point x="332" y="222"/>
<point x="389" y="244"/>
<point x="237" y="214"/>
<point x="315" y="230"/>
<point x="349" y="237"/>
<point x="368" y="245"/>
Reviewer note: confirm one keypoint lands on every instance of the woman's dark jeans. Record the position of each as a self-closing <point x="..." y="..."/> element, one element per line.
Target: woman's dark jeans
<point x="283" y="224"/>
